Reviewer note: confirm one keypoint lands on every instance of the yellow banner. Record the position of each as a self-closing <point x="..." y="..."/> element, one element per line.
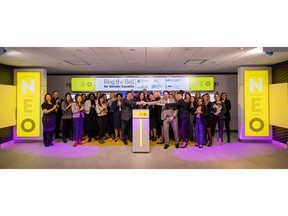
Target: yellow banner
<point x="140" y="113"/>
<point x="82" y="84"/>
<point x="201" y="83"/>
<point x="28" y="104"/>
<point x="256" y="102"/>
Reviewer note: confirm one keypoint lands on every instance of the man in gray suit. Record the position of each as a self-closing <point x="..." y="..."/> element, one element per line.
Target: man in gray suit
<point x="168" y="116"/>
<point x="126" y="116"/>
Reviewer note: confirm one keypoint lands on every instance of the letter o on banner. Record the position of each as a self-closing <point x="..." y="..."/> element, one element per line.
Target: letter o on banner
<point x="256" y="120"/>
<point x="28" y="130"/>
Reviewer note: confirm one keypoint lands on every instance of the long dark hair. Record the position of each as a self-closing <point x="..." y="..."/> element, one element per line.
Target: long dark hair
<point x="52" y="101"/>
<point x="65" y="98"/>
<point x="138" y="96"/>
<point x="223" y="93"/>
<point x="76" y="96"/>
<point x="99" y="102"/>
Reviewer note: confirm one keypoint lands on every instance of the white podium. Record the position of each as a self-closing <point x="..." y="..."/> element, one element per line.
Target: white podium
<point x="140" y="127"/>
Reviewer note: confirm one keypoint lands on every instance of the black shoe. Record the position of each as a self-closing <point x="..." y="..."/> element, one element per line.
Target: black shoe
<point x="46" y="145"/>
<point x="228" y="140"/>
<point x="51" y="144"/>
<point x="209" y="144"/>
<point x="166" y="146"/>
<point x="153" y="139"/>
<point x="177" y="145"/>
<point x="89" y="140"/>
<point x="96" y="138"/>
<point x="125" y="142"/>
<point x="64" y="141"/>
<point x="191" y="139"/>
<point x="184" y="146"/>
<point x="161" y="142"/>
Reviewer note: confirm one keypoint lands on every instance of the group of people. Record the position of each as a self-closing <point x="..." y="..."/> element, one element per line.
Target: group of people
<point x="177" y="115"/>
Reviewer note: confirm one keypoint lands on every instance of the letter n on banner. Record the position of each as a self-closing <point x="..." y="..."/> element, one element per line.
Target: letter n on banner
<point x="28" y="104"/>
<point x="256" y="103"/>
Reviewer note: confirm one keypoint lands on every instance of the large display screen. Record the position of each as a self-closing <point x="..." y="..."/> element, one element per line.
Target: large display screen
<point x="151" y="83"/>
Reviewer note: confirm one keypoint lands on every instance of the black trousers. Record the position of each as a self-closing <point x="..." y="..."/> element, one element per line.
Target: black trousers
<point x="227" y="127"/>
<point x="126" y="129"/>
<point x="47" y="137"/>
<point x="67" y="128"/>
<point x="184" y="129"/>
<point x="102" y="122"/>
<point x="110" y="123"/>
<point x="57" y="126"/>
<point x="220" y="122"/>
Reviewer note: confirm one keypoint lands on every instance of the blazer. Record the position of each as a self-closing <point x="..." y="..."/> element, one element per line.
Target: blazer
<point x="228" y="108"/>
<point x="222" y="113"/>
<point x="167" y="111"/>
<point x="126" y="110"/>
<point x="115" y="108"/>
<point x="183" y="109"/>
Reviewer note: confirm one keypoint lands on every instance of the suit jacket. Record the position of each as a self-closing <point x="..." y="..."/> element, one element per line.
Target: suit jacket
<point x="228" y="108"/>
<point x="126" y="110"/>
<point x="167" y="111"/>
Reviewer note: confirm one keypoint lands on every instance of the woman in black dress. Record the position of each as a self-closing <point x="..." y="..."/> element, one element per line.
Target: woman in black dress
<point x="153" y="113"/>
<point x="227" y="114"/>
<point x="49" y="119"/>
<point x="116" y="107"/>
<point x="67" y="121"/>
<point x="91" y="117"/>
<point x="141" y="97"/>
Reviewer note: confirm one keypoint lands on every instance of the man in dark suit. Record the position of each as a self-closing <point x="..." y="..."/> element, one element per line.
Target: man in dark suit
<point x="58" y="101"/>
<point x="126" y="115"/>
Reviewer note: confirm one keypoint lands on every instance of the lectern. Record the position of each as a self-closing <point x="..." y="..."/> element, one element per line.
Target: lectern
<point x="140" y="127"/>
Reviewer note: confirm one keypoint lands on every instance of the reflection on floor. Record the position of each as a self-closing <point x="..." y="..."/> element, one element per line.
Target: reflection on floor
<point x="116" y="155"/>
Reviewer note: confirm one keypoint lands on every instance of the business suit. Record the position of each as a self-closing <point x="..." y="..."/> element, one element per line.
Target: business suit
<point x="126" y="118"/>
<point x="166" y="113"/>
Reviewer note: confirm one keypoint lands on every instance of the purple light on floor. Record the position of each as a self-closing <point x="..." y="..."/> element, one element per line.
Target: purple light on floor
<point x="231" y="151"/>
<point x="59" y="150"/>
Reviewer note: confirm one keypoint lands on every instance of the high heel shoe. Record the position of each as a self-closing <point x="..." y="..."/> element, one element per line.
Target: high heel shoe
<point x="219" y="142"/>
<point x="116" y="140"/>
<point x="184" y="145"/>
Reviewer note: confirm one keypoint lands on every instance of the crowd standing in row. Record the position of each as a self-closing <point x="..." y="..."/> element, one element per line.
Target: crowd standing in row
<point x="175" y="115"/>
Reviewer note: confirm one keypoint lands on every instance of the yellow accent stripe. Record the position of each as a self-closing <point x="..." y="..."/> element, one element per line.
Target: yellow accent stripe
<point x="141" y="122"/>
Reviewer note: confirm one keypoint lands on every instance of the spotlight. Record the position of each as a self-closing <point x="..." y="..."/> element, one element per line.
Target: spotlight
<point x="269" y="53"/>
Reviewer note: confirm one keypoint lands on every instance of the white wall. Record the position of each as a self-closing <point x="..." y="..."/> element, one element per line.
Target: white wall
<point x="227" y="83"/>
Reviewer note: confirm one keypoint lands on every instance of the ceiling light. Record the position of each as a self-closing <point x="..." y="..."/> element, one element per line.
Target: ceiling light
<point x="195" y="61"/>
<point x="241" y="48"/>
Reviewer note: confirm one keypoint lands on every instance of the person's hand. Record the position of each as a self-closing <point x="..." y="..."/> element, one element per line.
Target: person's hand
<point x="171" y="118"/>
<point x="55" y="106"/>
